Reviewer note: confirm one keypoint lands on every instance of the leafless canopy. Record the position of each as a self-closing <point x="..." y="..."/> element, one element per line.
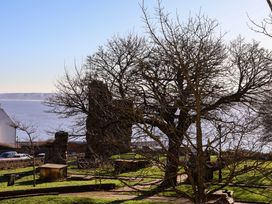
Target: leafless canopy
<point x="263" y="27"/>
<point x="178" y="75"/>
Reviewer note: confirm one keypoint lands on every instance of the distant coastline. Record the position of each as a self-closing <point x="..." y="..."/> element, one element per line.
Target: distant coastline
<point x="32" y="111"/>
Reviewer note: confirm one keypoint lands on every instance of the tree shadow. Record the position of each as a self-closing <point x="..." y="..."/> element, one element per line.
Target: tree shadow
<point x="142" y="196"/>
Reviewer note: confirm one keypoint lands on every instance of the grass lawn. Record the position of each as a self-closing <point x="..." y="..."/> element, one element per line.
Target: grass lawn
<point x="68" y="200"/>
<point x="260" y="176"/>
<point x="73" y="169"/>
<point x="127" y="156"/>
<point x="152" y="171"/>
<point x="251" y="194"/>
<point x="27" y="181"/>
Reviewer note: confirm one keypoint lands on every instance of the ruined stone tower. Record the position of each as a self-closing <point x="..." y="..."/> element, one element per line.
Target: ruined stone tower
<point x="108" y="127"/>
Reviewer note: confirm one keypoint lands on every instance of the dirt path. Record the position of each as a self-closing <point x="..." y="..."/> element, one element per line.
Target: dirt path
<point x="125" y="193"/>
<point x="124" y="197"/>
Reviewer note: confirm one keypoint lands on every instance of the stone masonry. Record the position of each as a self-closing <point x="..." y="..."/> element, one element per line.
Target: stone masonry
<point x="108" y="127"/>
<point x="56" y="151"/>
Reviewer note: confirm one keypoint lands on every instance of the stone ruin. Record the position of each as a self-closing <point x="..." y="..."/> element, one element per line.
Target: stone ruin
<point x="56" y="152"/>
<point x="108" y="126"/>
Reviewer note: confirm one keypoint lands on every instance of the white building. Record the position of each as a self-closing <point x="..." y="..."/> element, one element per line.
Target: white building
<point x="7" y="130"/>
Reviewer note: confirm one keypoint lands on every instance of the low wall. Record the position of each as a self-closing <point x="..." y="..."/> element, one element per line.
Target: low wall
<point x="13" y="163"/>
<point x="57" y="190"/>
<point x="124" y="165"/>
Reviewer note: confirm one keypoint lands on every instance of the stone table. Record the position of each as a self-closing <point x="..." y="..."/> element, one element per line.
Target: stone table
<point x="53" y="172"/>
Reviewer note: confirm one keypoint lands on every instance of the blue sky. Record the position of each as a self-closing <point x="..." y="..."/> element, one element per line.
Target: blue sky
<point x="40" y="37"/>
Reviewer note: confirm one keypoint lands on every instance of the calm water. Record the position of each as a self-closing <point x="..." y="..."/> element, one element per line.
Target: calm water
<point x="33" y="112"/>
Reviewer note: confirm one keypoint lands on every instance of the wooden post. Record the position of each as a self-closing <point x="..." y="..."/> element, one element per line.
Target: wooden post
<point x="219" y="155"/>
<point x="11" y="179"/>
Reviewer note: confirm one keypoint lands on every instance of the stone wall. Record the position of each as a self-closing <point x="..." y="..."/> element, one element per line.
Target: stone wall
<point x="14" y="163"/>
<point x="57" y="151"/>
<point x="120" y="127"/>
<point x="108" y="126"/>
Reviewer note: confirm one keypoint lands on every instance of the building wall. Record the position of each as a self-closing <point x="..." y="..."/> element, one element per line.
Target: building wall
<point x="7" y="132"/>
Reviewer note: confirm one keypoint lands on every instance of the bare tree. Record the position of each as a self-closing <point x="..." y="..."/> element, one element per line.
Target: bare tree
<point x="116" y="63"/>
<point x="263" y="27"/>
<point x="269" y="4"/>
<point x="29" y="130"/>
<point x="71" y="98"/>
<point x="182" y="75"/>
<point x="196" y="75"/>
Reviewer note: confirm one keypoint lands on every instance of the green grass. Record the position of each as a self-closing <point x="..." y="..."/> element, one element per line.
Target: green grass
<point x="240" y="193"/>
<point x="251" y="194"/>
<point x="26" y="183"/>
<point x="134" y="156"/>
<point x="260" y="176"/>
<point x="109" y="171"/>
<point x="127" y="156"/>
<point x="145" y="172"/>
<point x="69" y="200"/>
<point x="19" y="170"/>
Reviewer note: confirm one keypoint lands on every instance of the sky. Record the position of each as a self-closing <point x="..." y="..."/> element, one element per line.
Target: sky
<point x="39" y="39"/>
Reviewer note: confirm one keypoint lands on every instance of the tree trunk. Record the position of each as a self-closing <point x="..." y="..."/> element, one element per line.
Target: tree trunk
<point x="200" y="161"/>
<point x="172" y="162"/>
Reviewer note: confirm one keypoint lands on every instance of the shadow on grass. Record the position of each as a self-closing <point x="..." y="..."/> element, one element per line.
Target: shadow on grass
<point x="27" y="183"/>
<point x="144" y="195"/>
<point x="260" y="179"/>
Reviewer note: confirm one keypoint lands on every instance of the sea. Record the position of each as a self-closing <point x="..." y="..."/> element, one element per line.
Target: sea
<point x="34" y="114"/>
